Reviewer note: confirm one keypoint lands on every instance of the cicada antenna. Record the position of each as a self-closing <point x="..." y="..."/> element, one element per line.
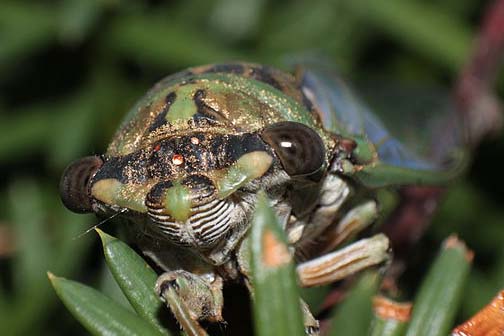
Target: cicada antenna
<point x="100" y="223"/>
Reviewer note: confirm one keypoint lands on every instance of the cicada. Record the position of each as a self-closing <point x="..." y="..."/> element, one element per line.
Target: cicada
<point x="185" y="168"/>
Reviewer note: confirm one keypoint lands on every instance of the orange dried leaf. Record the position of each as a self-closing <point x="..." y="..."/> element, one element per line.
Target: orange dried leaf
<point x="389" y="310"/>
<point x="489" y="321"/>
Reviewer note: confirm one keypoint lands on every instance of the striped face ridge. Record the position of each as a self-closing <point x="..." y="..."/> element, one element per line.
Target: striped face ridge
<point x="191" y="155"/>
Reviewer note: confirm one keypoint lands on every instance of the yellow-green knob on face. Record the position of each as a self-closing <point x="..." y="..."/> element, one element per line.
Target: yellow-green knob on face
<point x="248" y="167"/>
<point x="176" y="199"/>
<point x="112" y="192"/>
<point x="178" y="202"/>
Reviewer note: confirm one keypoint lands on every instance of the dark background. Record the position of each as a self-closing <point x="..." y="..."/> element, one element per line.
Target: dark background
<point x="69" y="70"/>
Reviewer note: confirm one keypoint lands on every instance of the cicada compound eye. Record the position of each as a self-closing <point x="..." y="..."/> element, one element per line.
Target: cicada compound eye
<point x="299" y="148"/>
<point x="74" y="184"/>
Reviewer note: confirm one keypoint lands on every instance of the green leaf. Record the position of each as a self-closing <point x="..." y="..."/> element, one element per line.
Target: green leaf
<point x="98" y="313"/>
<point x="440" y="293"/>
<point x="387" y="327"/>
<point x="276" y="298"/>
<point x="108" y="286"/>
<point x="315" y="297"/>
<point x="353" y="316"/>
<point x="134" y="276"/>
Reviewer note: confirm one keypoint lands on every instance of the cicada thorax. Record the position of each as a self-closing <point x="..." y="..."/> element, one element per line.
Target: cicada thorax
<point x="227" y="99"/>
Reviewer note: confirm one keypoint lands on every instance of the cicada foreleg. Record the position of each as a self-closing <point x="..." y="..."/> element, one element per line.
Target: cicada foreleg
<point x="342" y="263"/>
<point x="192" y="298"/>
<point x="354" y="221"/>
<point x="331" y="266"/>
<point x="304" y="233"/>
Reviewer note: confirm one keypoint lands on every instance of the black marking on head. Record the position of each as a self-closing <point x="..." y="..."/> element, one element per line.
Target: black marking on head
<point x="265" y="74"/>
<point x="213" y="152"/>
<point x="155" y="197"/>
<point x="205" y="111"/>
<point x="199" y="185"/>
<point x="113" y="168"/>
<point x="234" y="68"/>
<point x="240" y="145"/>
<point x="260" y="73"/>
<point x="161" y="117"/>
<point x="199" y="121"/>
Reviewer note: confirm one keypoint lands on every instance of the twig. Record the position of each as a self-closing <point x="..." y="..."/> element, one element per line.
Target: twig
<point x="474" y="94"/>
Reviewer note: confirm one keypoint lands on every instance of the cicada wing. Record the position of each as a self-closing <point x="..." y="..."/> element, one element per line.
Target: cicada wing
<point x="415" y="137"/>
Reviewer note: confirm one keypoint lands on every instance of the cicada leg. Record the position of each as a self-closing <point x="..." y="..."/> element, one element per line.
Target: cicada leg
<point x="192" y="298"/>
<point x="189" y="286"/>
<point x="326" y="229"/>
<point x="342" y="263"/>
<point x="304" y="233"/>
<point x="311" y="324"/>
<point x="356" y="220"/>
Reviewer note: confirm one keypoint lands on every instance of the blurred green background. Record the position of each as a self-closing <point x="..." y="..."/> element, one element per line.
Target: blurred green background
<point x="69" y="70"/>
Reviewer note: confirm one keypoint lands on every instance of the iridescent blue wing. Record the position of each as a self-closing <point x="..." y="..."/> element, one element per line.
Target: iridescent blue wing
<point x="417" y="140"/>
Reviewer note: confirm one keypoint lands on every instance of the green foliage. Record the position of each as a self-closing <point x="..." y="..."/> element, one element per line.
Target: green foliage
<point x="43" y="239"/>
<point x="358" y="305"/>
<point x="134" y="276"/>
<point x="276" y="299"/>
<point x="69" y="70"/>
<point x="387" y="327"/>
<point x="98" y="313"/>
<point x="276" y="296"/>
<point x="439" y="296"/>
